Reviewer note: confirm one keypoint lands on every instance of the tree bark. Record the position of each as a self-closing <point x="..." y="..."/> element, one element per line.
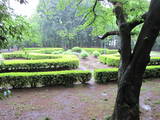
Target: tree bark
<point x="130" y="80"/>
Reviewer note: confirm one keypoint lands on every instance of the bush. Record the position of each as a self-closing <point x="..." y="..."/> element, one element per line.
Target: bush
<point x="114" y="60"/>
<point x="77" y="49"/>
<point x="27" y="79"/>
<point x="96" y="54"/>
<point x="106" y="75"/>
<point x="84" y="55"/>
<point x="110" y="51"/>
<point x="58" y="52"/>
<point x="109" y="60"/>
<point x="46" y="50"/>
<point x="39" y="65"/>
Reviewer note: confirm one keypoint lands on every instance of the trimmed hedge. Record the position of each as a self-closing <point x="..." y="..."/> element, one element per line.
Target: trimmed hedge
<point x="33" y="79"/>
<point x="38" y="65"/>
<point x="106" y="75"/>
<point x="109" y="60"/>
<point x="101" y="50"/>
<point x="114" y="60"/>
<point x="43" y="50"/>
<point x="35" y="56"/>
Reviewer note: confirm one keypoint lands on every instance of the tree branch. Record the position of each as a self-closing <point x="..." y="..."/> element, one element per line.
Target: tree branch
<point x="137" y="22"/>
<point x="109" y="34"/>
<point x="94" y="12"/>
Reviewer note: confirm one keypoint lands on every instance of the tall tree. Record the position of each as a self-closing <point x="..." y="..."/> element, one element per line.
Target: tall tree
<point x="133" y="64"/>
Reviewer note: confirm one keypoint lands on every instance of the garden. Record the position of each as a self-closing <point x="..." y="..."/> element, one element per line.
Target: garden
<point x="53" y="83"/>
<point x="79" y="60"/>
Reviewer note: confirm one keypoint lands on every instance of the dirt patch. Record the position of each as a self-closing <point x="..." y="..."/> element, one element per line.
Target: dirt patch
<point x="83" y="102"/>
<point x="91" y="63"/>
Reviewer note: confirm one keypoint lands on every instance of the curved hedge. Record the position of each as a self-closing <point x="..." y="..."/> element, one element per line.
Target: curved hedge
<point x="33" y="79"/>
<point x="43" y="50"/>
<point x="34" y="56"/>
<point x="114" y="60"/>
<point x="101" y="50"/>
<point x="106" y="75"/>
<point x="39" y="62"/>
<point x="38" y="65"/>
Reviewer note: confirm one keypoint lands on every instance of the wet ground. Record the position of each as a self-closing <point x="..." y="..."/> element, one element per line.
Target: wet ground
<point x="82" y="102"/>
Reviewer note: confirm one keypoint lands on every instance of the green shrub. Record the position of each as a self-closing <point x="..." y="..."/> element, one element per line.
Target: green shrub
<point x="68" y="52"/>
<point x="76" y="49"/>
<point x="58" y="52"/>
<point x="91" y="50"/>
<point x="110" y="51"/>
<point x="46" y="50"/>
<point x="110" y="60"/>
<point x="96" y="54"/>
<point x="114" y="60"/>
<point x="84" y="55"/>
<point x="154" y="61"/>
<point x="39" y="65"/>
<point x="106" y="75"/>
<point x="27" y="79"/>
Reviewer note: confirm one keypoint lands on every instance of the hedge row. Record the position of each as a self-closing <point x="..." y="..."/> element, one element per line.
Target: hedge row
<point x="110" y="60"/>
<point x="106" y="75"/>
<point x="24" y="55"/>
<point x="100" y="50"/>
<point x="27" y="79"/>
<point x="113" y="60"/>
<point x="38" y="65"/>
<point x="46" y="50"/>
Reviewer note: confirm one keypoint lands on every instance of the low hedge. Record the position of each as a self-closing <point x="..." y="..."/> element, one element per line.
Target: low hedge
<point x="110" y="60"/>
<point x="114" y="60"/>
<point x="35" y="56"/>
<point x="33" y="79"/>
<point x="101" y="50"/>
<point x="46" y="50"/>
<point x="106" y="75"/>
<point x="38" y="65"/>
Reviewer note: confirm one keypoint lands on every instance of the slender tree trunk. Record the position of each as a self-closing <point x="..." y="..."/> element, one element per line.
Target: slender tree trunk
<point x="130" y="79"/>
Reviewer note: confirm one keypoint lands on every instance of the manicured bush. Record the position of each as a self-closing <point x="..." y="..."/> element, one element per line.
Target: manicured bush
<point x="68" y="52"/>
<point x="46" y="50"/>
<point x="110" y="60"/>
<point x="39" y="65"/>
<point x="33" y="79"/>
<point x="106" y="75"/>
<point x="154" y="61"/>
<point x="58" y="52"/>
<point x="114" y="60"/>
<point x="84" y="54"/>
<point x="76" y="49"/>
<point x="111" y="51"/>
<point x="35" y="56"/>
<point x="96" y="54"/>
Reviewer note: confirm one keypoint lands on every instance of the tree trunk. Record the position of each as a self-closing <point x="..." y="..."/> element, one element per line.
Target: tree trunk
<point x="130" y="80"/>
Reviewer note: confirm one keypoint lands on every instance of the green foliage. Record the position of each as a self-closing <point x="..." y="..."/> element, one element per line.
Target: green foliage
<point x="106" y="75"/>
<point x="33" y="79"/>
<point x="114" y="60"/>
<point x="109" y="60"/>
<point x="58" y="52"/>
<point x="77" y="49"/>
<point x="46" y="50"/>
<point x="84" y="54"/>
<point x="91" y="50"/>
<point x="39" y="65"/>
<point x="96" y="54"/>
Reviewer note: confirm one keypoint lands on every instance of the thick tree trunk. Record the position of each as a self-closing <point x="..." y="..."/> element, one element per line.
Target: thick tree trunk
<point x="130" y="81"/>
